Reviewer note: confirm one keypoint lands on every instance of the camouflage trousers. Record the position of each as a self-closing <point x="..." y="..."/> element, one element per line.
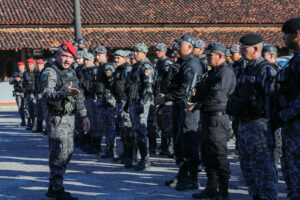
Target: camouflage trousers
<point x="92" y="114"/>
<point x="108" y="115"/>
<point x="256" y="159"/>
<point x="40" y="110"/>
<point x="290" y="159"/>
<point x="60" y="136"/>
<point x="20" y="103"/>
<point x="152" y="125"/>
<point x="31" y="103"/>
<point x="100" y="124"/>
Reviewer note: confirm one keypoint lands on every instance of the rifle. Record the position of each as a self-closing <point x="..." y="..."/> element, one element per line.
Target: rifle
<point x="270" y="135"/>
<point x="189" y="94"/>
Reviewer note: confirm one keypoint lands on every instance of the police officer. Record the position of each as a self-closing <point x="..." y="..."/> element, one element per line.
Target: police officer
<point x="248" y="104"/>
<point x="63" y="98"/>
<point x="211" y="98"/>
<point x="81" y="46"/>
<point x="287" y="112"/>
<point x="108" y="112"/>
<point x="40" y="108"/>
<point x="29" y="85"/>
<point x="269" y="53"/>
<point x="199" y="52"/>
<point x="89" y="94"/>
<point x="17" y="81"/>
<point x="140" y="94"/>
<point x="239" y="65"/>
<point x="228" y="57"/>
<point x="169" y="70"/>
<point x="185" y="123"/>
<point x="123" y="120"/>
<point x="99" y="77"/>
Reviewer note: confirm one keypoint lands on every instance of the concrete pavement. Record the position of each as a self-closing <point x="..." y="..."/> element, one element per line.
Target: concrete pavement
<point x="24" y="171"/>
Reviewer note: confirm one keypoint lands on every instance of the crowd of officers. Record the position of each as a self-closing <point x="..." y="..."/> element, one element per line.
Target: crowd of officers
<point x="193" y="100"/>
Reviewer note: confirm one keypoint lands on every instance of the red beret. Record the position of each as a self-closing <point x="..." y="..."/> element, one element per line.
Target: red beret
<point x="40" y="61"/>
<point x="68" y="47"/>
<point x="20" y="63"/>
<point x="30" y="61"/>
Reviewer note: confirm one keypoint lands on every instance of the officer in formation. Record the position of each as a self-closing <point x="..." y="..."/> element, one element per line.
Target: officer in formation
<point x="140" y="95"/>
<point x="29" y="86"/>
<point x="17" y="81"/>
<point x="40" y="110"/>
<point x="286" y="113"/>
<point x="123" y="68"/>
<point x="185" y="122"/>
<point x="248" y="103"/>
<point x="161" y="59"/>
<point x="239" y="65"/>
<point x="211" y="98"/>
<point x="199" y="52"/>
<point x="63" y="97"/>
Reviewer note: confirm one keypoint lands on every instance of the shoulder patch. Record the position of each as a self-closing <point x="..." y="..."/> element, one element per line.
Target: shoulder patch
<point x="44" y="75"/>
<point x="147" y="72"/>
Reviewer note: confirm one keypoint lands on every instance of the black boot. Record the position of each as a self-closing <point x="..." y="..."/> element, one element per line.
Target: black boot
<point x="177" y="180"/>
<point x="88" y="143"/>
<point x="152" y="144"/>
<point x="223" y="191"/>
<point x="23" y="123"/>
<point x="190" y="183"/>
<point x="163" y="149"/>
<point x="144" y="163"/>
<point x="211" y="187"/>
<point x="29" y="124"/>
<point x="60" y="194"/>
<point x="39" y="126"/>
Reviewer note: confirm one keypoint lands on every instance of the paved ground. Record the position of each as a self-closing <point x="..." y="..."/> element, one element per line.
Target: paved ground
<point x="24" y="171"/>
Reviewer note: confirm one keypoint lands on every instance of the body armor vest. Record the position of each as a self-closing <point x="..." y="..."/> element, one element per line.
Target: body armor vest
<point x="29" y="81"/>
<point x="18" y="86"/>
<point x="288" y="82"/>
<point x="68" y="104"/>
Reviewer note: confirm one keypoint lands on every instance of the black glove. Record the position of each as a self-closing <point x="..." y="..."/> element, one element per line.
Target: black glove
<point x="140" y="108"/>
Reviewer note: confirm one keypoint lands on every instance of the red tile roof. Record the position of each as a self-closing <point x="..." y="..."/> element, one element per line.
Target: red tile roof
<point x="18" y="38"/>
<point x="149" y="11"/>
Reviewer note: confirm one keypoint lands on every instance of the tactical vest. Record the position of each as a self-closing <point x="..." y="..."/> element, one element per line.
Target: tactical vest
<point x="29" y="82"/>
<point x="135" y="83"/>
<point x="288" y="82"/>
<point x="248" y="100"/>
<point x="68" y="104"/>
<point x="18" y="86"/>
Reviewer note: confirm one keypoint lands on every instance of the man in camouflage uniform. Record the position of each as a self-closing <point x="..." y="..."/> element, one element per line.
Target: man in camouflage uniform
<point x="40" y="108"/>
<point x="17" y="81"/>
<point x="98" y="74"/>
<point x="269" y="52"/>
<point x="248" y="104"/>
<point x="199" y="52"/>
<point x="86" y="83"/>
<point x="140" y="94"/>
<point x="108" y="112"/>
<point x="63" y="98"/>
<point x="238" y="66"/>
<point x="287" y="113"/>
<point x="29" y="85"/>
<point x="123" y="120"/>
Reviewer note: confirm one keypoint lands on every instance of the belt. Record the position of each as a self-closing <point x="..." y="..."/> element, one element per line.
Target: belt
<point x="220" y="113"/>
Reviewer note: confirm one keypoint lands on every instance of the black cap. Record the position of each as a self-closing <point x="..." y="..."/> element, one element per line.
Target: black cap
<point x="269" y="48"/>
<point x="216" y="47"/>
<point x="187" y="38"/>
<point x="291" y="25"/>
<point x="251" y="39"/>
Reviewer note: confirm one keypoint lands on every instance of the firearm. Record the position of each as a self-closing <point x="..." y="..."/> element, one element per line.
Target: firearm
<point x="270" y="136"/>
<point x="190" y="88"/>
<point x="189" y="94"/>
